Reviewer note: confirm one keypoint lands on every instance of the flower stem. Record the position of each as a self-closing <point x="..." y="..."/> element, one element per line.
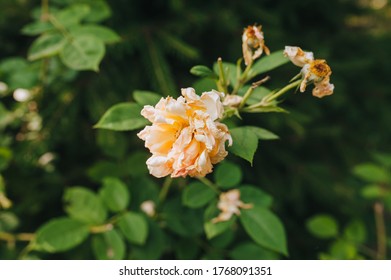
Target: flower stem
<point x="44" y="10"/>
<point x="164" y="191"/>
<point x="222" y="80"/>
<point x="246" y="96"/>
<point x="380" y="231"/>
<point x="209" y="183"/>
<point x="283" y="90"/>
<point x="242" y="79"/>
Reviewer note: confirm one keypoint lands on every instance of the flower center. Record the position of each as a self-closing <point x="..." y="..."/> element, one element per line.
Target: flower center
<point x="319" y="68"/>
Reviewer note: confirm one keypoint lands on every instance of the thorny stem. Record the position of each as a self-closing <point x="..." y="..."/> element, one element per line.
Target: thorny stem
<point x="380" y="231"/>
<point x="209" y="184"/>
<point x="164" y="191"/>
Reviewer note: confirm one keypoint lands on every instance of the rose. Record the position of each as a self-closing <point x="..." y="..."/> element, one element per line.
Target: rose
<point x="185" y="137"/>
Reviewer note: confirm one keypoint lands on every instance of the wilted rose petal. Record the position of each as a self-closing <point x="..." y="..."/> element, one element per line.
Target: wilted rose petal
<point x="253" y="43"/>
<point x="315" y="71"/>
<point x="298" y="56"/>
<point x="185" y="137"/>
<point x="229" y="204"/>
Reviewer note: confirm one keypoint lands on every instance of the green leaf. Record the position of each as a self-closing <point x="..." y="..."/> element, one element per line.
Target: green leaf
<point x="59" y="235"/>
<point x="112" y="143"/>
<point x="72" y="15"/>
<point x="245" y="143"/>
<point x="251" y="251"/>
<point x="383" y="159"/>
<point x="204" y="84"/>
<point x="5" y="157"/>
<point x="84" y="205"/>
<point x="372" y="192"/>
<point x="114" y="194"/>
<point x="355" y="232"/>
<point x="343" y="250"/>
<point x="100" y="10"/>
<point x="122" y="117"/>
<point x="227" y="175"/>
<point x="178" y="217"/>
<point x="267" y="63"/>
<point x="371" y="173"/>
<point x="134" y="227"/>
<point x="154" y="246"/>
<point x="202" y="71"/>
<point x="37" y="28"/>
<point x="146" y="97"/>
<point x="8" y="221"/>
<point x="46" y="45"/>
<point x="322" y="226"/>
<point x="83" y="53"/>
<point x="108" y="245"/>
<point x="102" y="33"/>
<point x="197" y="194"/>
<point x="252" y="194"/>
<point x="257" y="94"/>
<point x="264" y="228"/>
<point x="263" y="134"/>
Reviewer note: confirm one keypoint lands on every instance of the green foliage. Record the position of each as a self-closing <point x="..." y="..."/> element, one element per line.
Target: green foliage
<point x="197" y="195"/>
<point x="122" y="117"/>
<point x="146" y="97"/>
<point x="251" y="251"/>
<point x="134" y="227"/>
<point x="323" y="226"/>
<point x="108" y="245"/>
<point x="246" y="143"/>
<point x="60" y="234"/>
<point x="83" y="53"/>
<point x="84" y="205"/>
<point x="372" y="173"/>
<point x="114" y="194"/>
<point x="47" y="142"/>
<point x="264" y="228"/>
<point x="268" y="63"/>
<point x="228" y="175"/>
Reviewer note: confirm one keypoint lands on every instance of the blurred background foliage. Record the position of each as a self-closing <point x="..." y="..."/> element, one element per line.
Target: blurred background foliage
<point x="50" y="144"/>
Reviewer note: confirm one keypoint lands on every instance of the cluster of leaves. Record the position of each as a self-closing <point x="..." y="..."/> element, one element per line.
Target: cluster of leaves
<point x="72" y="33"/>
<point x="119" y="229"/>
<point x="351" y="243"/>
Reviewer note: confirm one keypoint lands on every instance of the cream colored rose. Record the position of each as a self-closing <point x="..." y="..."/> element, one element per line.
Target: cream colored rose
<point x="253" y="43"/>
<point x="185" y="137"/>
<point x="313" y="71"/>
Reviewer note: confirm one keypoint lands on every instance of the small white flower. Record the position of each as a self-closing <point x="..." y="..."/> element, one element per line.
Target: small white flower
<point x="3" y="87"/>
<point x="22" y="95"/>
<point x="148" y="207"/>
